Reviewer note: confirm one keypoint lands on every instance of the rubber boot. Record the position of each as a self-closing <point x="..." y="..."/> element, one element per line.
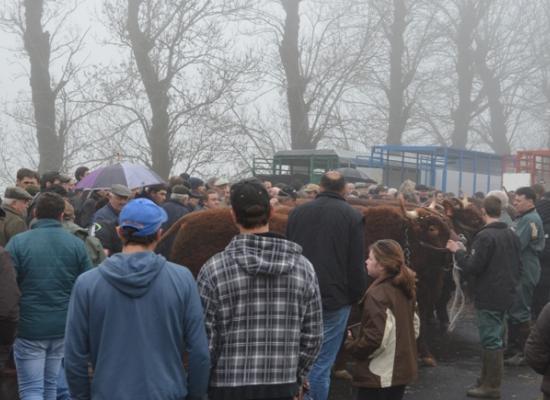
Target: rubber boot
<point x="518" y="360"/>
<point x="512" y="344"/>
<point x="492" y="364"/>
<point x="481" y="378"/>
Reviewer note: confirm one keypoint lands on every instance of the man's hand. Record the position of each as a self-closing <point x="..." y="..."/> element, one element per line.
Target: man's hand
<point x="303" y="389"/>
<point x="454" y="246"/>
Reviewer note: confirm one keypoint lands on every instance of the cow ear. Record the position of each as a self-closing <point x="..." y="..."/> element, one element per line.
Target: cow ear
<point x="449" y="208"/>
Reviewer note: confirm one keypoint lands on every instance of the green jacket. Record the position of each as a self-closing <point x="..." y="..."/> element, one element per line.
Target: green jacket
<point x="93" y="244"/>
<point x="529" y="229"/>
<point x="48" y="259"/>
<point x="12" y="224"/>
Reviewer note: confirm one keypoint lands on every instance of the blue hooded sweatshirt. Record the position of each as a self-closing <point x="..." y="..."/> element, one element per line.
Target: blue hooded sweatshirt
<point x="133" y="318"/>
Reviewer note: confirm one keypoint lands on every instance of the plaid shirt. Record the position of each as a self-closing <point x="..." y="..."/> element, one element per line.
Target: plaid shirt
<point x="263" y="312"/>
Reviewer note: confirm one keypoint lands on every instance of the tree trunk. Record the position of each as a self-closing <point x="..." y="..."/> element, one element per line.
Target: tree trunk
<point x="157" y="93"/>
<point x="37" y="45"/>
<point x="462" y="115"/>
<point x="396" y="90"/>
<point x="300" y="134"/>
<point x="491" y="84"/>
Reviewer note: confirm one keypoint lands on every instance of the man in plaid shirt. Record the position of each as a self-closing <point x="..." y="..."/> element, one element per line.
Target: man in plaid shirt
<point x="262" y="306"/>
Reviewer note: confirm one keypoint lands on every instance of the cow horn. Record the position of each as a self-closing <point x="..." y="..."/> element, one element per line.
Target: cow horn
<point x="411" y="214"/>
<point x="408" y="214"/>
<point x="465" y="201"/>
<point x="432" y="204"/>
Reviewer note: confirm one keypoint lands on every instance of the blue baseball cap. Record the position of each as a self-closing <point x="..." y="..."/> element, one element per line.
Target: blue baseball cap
<point x="143" y="215"/>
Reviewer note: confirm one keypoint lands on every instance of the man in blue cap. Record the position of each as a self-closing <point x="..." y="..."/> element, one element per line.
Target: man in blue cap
<point x="134" y="317"/>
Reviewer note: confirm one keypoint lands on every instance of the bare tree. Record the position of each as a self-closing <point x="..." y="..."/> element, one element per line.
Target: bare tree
<point x="37" y="45"/>
<point x="296" y="81"/>
<point x="319" y="71"/>
<point x="537" y="90"/>
<point x="49" y="42"/>
<point x="490" y="41"/>
<point x="174" y="44"/>
<point x="470" y="13"/>
<point x="503" y="64"/>
<point x="406" y="27"/>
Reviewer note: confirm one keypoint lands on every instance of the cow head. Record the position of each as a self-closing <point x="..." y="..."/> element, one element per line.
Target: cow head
<point x="465" y="217"/>
<point x="430" y="229"/>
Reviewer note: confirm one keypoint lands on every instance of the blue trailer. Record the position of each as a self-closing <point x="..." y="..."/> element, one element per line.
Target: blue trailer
<point x="445" y="168"/>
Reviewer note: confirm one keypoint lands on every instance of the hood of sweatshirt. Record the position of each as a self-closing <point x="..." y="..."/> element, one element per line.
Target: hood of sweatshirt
<point x="132" y="274"/>
<point x="268" y="255"/>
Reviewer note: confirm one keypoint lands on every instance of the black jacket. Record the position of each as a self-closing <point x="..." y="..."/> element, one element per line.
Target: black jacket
<point x="537" y="348"/>
<point x="332" y="236"/>
<point x="174" y="210"/>
<point x="494" y="263"/>
<point x="84" y="214"/>
<point x="543" y="208"/>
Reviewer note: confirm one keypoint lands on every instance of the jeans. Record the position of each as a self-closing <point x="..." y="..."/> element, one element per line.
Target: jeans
<point x="62" y="385"/>
<point x="334" y="328"/>
<point x="38" y="363"/>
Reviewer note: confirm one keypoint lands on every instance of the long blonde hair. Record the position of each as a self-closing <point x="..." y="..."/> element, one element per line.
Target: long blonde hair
<point x="389" y="254"/>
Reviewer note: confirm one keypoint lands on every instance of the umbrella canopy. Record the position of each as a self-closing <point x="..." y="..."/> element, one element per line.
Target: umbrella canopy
<point x="355" y="175"/>
<point x="130" y="175"/>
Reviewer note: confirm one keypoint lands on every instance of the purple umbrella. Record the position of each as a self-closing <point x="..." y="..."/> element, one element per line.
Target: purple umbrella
<point x="127" y="174"/>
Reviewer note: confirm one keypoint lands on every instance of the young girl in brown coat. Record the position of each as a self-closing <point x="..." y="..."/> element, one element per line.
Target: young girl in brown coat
<point x="384" y="350"/>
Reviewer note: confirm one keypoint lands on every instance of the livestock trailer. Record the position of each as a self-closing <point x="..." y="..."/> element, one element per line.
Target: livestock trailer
<point x="527" y="167"/>
<point x="445" y="168"/>
<point x="307" y="166"/>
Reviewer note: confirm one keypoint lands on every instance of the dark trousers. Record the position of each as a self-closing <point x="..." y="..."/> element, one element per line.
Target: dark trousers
<point x="390" y="393"/>
<point x="264" y="398"/>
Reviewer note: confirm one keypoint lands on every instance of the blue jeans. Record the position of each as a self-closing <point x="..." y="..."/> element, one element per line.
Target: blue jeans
<point x="62" y="385"/>
<point x="334" y="328"/>
<point x="38" y="363"/>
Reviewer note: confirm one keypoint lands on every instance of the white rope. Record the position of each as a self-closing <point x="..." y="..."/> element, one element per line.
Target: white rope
<point x="458" y="301"/>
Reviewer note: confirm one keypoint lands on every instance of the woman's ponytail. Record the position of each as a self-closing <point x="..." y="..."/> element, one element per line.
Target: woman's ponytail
<point x="389" y="254"/>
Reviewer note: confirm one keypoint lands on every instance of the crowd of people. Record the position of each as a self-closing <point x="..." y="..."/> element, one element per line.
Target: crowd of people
<point x="94" y="308"/>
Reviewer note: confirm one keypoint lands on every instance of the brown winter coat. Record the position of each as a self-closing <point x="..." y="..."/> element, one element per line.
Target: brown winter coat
<point x="385" y="347"/>
<point x="537" y="349"/>
<point x="13" y="224"/>
<point x="9" y="299"/>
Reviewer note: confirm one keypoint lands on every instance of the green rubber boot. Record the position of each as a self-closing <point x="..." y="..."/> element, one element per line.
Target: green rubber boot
<point x="491" y="376"/>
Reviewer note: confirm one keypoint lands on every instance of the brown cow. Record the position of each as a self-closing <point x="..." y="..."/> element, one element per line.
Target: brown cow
<point x="204" y="233"/>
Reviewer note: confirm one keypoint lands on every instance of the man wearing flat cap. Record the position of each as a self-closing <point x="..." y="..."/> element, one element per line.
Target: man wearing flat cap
<point x="194" y="202"/>
<point x="118" y="197"/>
<point x="105" y="219"/>
<point x="311" y="190"/>
<point x="221" y="185"/>
<point x="14" y="207"/>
